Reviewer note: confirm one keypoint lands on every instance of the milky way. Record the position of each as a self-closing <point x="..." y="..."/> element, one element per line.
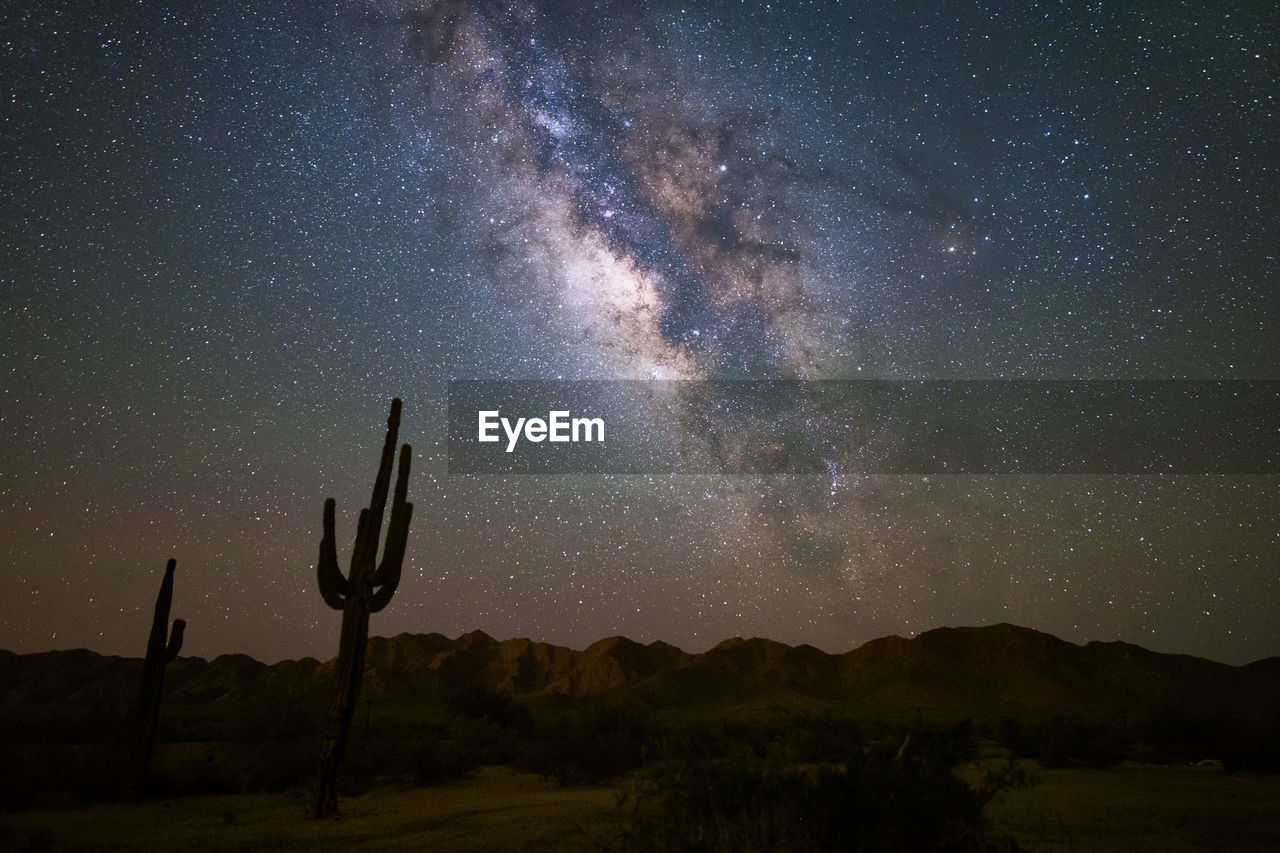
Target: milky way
<point x="235" y="233"/>
<point x="649" y="217"/>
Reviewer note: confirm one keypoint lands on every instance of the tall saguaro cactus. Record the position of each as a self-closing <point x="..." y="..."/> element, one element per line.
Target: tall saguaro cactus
<point x="366" y="589"/>
<point x="148" y="709"/>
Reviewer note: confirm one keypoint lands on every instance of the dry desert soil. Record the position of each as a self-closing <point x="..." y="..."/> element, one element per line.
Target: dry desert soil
<point x="1132" y="807"/>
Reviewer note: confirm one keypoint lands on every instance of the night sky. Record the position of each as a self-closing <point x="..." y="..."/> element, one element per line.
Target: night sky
<point x="233" y="233"/>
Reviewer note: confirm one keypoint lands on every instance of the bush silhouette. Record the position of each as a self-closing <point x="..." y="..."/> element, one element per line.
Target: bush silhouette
<point x="595" y="745"/>
<point x="886" y="797"/>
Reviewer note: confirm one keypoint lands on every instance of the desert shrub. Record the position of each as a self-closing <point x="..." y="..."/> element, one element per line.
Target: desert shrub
<point x="595" y="745"/>
<point x="485" y="741"/>
<point x="233" y="768"/>
<point x="59" y="774"/>
<point x="1172" y="735"/>
<point x="486" y="726"/>
<point x="796" y="738"/>
<point x="424" y="756"/>
<point x="262" y="720"/>
<point x="820" y="738"/>
<point x="1067" y="742"/>
<point x="280" y="765"/>
<point x="38" y="840"/>
<point x="480" y="702"/>
<point x="437" y="760"/>
<point x="942" y="745"/>
<point x="93" y="722"/>
<point x="1251" y="749"/>
<point x="877" y="800"/>
<point x="1166" y="736"/>
<point x="706" y="740"/>
<point x="196" y="780"/>
<point x="242" y="720"/>
<point x="23" y="778"/>
<point x="1013" y="736"/>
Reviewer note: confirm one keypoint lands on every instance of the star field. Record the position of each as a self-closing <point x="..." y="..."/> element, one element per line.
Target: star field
<point x="232" y="234"/>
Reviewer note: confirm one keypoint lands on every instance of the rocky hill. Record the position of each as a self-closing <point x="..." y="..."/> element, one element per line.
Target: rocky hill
<point x="949" y="672"/>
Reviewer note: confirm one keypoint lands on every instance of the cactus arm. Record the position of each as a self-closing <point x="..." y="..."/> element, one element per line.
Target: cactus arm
<point x="175" y="640"/>
<point x="160" y="621"/>
<point x="392" y="558"/>
<point x="378" y="501"/>
<point x="358" y="561"/>
<point x="402" y="477"/>
<point x="333" y="586"/>
<point x="398" y="527"/>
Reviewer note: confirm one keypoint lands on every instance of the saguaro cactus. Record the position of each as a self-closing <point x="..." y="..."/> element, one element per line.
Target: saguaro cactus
<point x="366" y="589"/>
<point x="148" y="709"/>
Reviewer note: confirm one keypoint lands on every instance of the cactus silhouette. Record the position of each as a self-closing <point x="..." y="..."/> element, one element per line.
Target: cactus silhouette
<point x="366" y="589"/>
<point x="148" y="708"/>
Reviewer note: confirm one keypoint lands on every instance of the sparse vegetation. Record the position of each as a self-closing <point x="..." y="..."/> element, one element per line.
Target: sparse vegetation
<point x="594" y="745"/>
<point x="1167" y="736"/>
<point x="695" y="772"/>
<point x="879" y="797"/>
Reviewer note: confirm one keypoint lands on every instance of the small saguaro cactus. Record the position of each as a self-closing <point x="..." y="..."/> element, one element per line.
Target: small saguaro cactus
<point x="159" y="653"/>
<point x="366" y="589"/>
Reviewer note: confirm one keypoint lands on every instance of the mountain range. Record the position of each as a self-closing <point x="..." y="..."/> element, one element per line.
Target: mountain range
<point x="983" y="672"/>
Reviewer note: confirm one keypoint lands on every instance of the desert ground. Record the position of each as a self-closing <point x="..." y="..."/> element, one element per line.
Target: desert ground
<point x="1130" y="807"/>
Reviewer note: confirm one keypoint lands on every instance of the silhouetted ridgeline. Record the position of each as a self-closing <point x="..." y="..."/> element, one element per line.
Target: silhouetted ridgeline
<point x="989" y="672"/>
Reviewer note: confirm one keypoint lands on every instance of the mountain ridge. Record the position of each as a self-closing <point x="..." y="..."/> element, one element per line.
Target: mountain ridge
<point x="986" y="671"/>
